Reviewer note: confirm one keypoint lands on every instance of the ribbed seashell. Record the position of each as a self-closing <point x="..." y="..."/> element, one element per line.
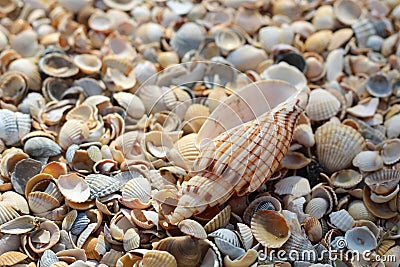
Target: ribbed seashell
<point x="74" y="188"/>
<point x="246" y="57"/>
<point x="293" y="185"/>
<point x="90" y="248"/>
<point x="184" y="152"/>
<point x="19" y="225"/>
<point x="85" y="235"/>
<point x="192" y="228"/>
<point x="347" y="11"/>
<point x="390" y="151"/>
<point x="303" y="134"/>
<point x="327" y="193"/>
<point x="39" y="245"/>
<point x="359" y="211"/>
<point x="227" y="248"/>
<point x="287" y="73"/>
<point x="245" y="235"/>
<point x="16" y="201"/>
<point x="368" y="161"/>
<point x="13" y="86"/>
<point x="313" y="229"/>
<point x="187" y="251"/>
<point x="11" y="258"/>
<point x="88" y="63"/>
<point x="57" y="65"/>
<point x="131" y="239"/>
<point x="384" y="246"/>
<point x="318" y="41"/>
<point x="322" y="105"/>
<point x="299" y="242"/>
<point x="41" y="147"/>
<point x="337" y="145"/>
<point x="342" y="220"/>
<point x="133" y="104"/>
<point x="383" y="181"/>
<point x="218" y="221"/>
<point x="102" y="185"/>
<point x="80" y="223"/>
<point x="261" y="203"/>
<point x="48" y="258"/>
<point x="73" y="132"/>
<point x="13" y="126"/>
<point x="346" y="178"/>
<point x="317" y="207"/>
<point x="385" y="198"/>
<point x="187" y="38"/>
<point x="228" y="40"/>
<point x="136" y="193"/>
<point x="195" y="116"/>
<point x="270" y="228"/>
<point x="159" y="258"/>
<point x="30" y="69"/>
<point x="40" y="202"/>
<point x="360" y="239"/>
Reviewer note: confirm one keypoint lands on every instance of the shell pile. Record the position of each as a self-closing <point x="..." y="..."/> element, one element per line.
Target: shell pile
<point x="207" y="133"/>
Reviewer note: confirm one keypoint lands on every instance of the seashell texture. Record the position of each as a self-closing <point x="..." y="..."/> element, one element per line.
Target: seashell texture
<point x="270" y="228"/>
<point x="342" y="220"/>
<point x="360" y="239"/>
<point x="322" y="105"/>
<point x="346" y="178"/>
<point x="337" y="145"/>
<point x="383" y="181"/>
<point x="368" y="161"/>
<point x="294" y="185"/>
<point x="74" y="188"/>
<point x="13" y="125"/>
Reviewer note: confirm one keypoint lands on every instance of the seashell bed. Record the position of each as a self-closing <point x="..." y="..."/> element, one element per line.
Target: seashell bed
<point x="199" y="133"/>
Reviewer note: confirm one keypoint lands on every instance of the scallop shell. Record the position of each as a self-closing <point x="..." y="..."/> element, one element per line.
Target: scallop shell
<point x="192" y="228"/>
<point x="293" y="185"/>
<point x="73" y="132"/>
<point x="40" y="202"/>
<point x="270" y="228"/>
<point x="383" y="181"/>
<point x="57" y="65"/>
<point x="368" y="161"/>
<point x="342" y="220"/>
<point x="218" y="221"/>
<point x="346" y="178"/>
<point x="41" y="147"/>
<point x="360" y="239"/>
<point x="337" y="145"/>
<point x="359" y="211"/>
<point x="136" y="193"/>
<point x="317" y="207"/>
<point x="347" y="11"/>
<point x="322" y="105"/>
<point x="390" y="151"/>
<point x="12" y="258"/>
<point x="74" y="188"/>
<point x="159" y="258"/>
<point x="102" y="185"/>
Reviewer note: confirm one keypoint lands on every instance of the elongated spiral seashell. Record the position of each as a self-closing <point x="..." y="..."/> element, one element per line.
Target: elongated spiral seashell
<point x="245" y="156"/>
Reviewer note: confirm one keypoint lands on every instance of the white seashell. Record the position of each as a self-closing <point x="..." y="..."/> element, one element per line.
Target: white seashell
<point x="287" y="73"/>
<point x="324" y="18"/>
<point x="13" y="126"/>
<point x="392" y="126"/>
<point x="346" y="178"/>
<point x="368" y="161"/>
<point x="342" y="220"/>
<point x="391" y="151"/>
<point x="246" y="236"/>
<point x="360" y="239"/>
<point x="271" y="36"/>
<point x="25" y="43"/>
<point x="192" y="228"/>
<point x="247" y="57"/>
<point x="131" y="239"/>
<point x="188" y="37"/>
<point x="293" y="185"/>
<point x="136" y="193"/>
<point x="347" y="11"/>
<point x="365" y="108"/>
<point x="334" y="64"/>
<point x="317" y="207"/>
<point x="322" y="105"/>
<point x="74" y="187"/>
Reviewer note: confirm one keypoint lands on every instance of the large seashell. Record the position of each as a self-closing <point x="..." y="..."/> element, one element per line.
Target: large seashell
<point x="41" y="147"/>
<point x="360" y="239"/>
<point x="74" y="188"/>
<point x="11" y="258"/>
<point x="390" y="151"/>
<point x="322" y="105"/>
<point x="337" y="145"/>
<point x="293" y="185"/>
<point x="342" y="220"/>
<point x="57" y="65"/>
<point x="102" y="185"/>
<point x="186" y="250"/>
<point x="13" y="126"/>
<point x="346" y="178"/>
<point x="368" y="161"/>
<point x="347" y="11"/>
<point x="270" y="228"/>
<point x="136" y="193"/>
<point x="192" y="228"/>
<point x="187" y="38"/>
<point x="383" y="181"/>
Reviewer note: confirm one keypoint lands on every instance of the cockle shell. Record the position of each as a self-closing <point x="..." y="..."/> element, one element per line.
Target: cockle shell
<point x="136" y="193"/>
<point x="359" y="211"/>
<point x="74" y="187"/>
<point x="383" y="181"/>
<point x="12" y="258"/>
<point x="360" y="239"/>
<point x="346" y="178"/>
<point x="102" y="185"/>
<point x="337" y="145"/>
<point x="347" y="11"/>
<point x="293" y="185"/>
<point x="341" y="219"/>
<point x="192" y="228"/>
<point x="41" y="147"/>
<point x="220" y="220"/>
<point x="13" y="126"/>
<point x="159" y="258"/>
<point x="313" y="229"/>
<point x="368" y="161"/>
<point x="322" y="105"/>
<point x="390" y="151"/>
<point x="73" y="132"/>
<point x="13" y="86"/>
<point x="45" y="237"/>
<point x="57" y="65"/>
<point x="188" y="37"/>
<point x="317" y="207"/>
<point x="206" y="174"/>
<point x="7" y="213"/>
<point x="87" y="63"/>
<point x="378" y="85"/>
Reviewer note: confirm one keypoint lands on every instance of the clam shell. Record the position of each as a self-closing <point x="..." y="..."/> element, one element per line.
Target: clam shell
<point x="378" y="85"/>
<point x="187" y="38"/>
<point x="73" y="132"/>
<point x="136" y="193"/>
<point x="368" y="161"/>
<point x="186" y="151"/>
<point x="270" y="228"/>
<point x="317" y="207"/>
<point x="281" y="72"/>
<point x="80" y="223"/>
<point x="392" y="131"/>
<point x="16" y="201"/>
<point x="337" y="145"/>
<point x="295" y="161"/>
<point x="228" y="40"/>
<point x="19" y="225"/>
<point x="90" y="248"/>
<point x="346" y="178"/>
<point x="11" y="258"/>
<point x="365" y="108"/>
<point x="360" y="239"/>
<point x="318" y="41"/>
<point x="342" y="220"/>
<point x="132" y="103"/>
<point x="313" y="229"/>
<point x="102" y="185"/>
<point x="272" y="35"/>
<point x="303" y="134"/>
<point x="74" y="188"/>
<point x="192" y="228"/>
<point x="88" y="63"/>
<point x="41" y="147"/>
<point x="359" y="211"/>
<point x="131" y="239"/>
<point x="40" y="202"/>
<point x="298" y="242"/>
<point x="390" y="151"/>
<point x="322" y="105"/>
<point x="245" y="235"/>
<point x="347" y="11"/>
<point x="293" y="185"/>
<point x="246" y="57"/>
<point x="25" y="43"/>
<point x="218" y="221"/>
<point x="30" y="69"/>
<point x="383" y="181"/>
<point x="57" y="65"/>
<point x="384" y="198"/>
<point x="159" y="258"/>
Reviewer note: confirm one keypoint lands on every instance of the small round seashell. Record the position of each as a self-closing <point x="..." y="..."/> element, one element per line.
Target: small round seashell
<point x="36" y="243"/>
<point x="100" y="22"/>
<point x="303" y="134"/>
<point x="359" y="211"/>
<point x="25" y="43"/>
<point x="87" y="63"/>
<point x="347" y="11"/>
<point x="324" y="18"/>
<point x="192" y="228"/>
<point x="313" y="229"/>
<point x="187" y="38"/>
<point x="270" y="228"/>
<point x="391" y="151"/>
<point x="41" y="147"/>
<point x="322" y="105"/>
<point x="368" y="161"/>
<point x="13" y="86"/>
<point x="293" y="58"/>
<point x="342" y="220"/>
<point x="74" y="187"/>
<point x="196" y="115"/>
<point x="317" y="207"/>
<point x="392" y="129"/>
<point x="360" y="239"/>
<point x="159" y="258"/>
<point x="346" y="178"/>
<point x="383" y="181"/>
<point x="246" y="57"/>
<point x="287" y="73"/>
<point x="318" y="41"/>
<point x="228" y="40"/>
<point x="40" y="202"/>
<point x="339" y="38"/>
<point x="293" y="185"/>
<point x="57" y="65"/>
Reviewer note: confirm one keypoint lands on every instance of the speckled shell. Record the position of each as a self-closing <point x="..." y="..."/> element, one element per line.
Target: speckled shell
<point x="337" y="145"/>
<point x="322" y="105"/>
